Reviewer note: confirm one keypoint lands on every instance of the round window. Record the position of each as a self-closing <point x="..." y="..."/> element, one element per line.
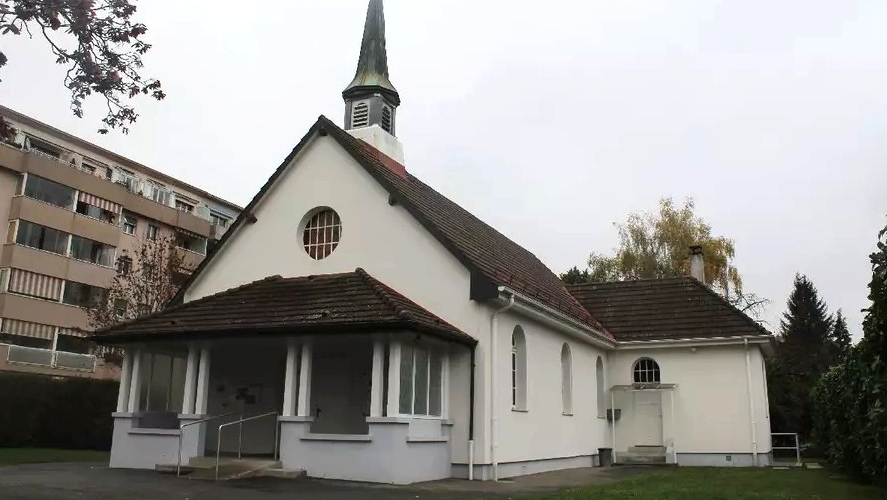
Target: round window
<point x="321" y="234"/>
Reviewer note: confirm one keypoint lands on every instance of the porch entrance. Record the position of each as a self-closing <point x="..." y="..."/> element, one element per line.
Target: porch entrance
<point x="647" y="418"/>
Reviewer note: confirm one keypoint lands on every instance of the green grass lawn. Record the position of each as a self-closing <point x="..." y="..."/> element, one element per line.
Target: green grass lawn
<point x="688" y="483"/>
<point x="12" y="456"/>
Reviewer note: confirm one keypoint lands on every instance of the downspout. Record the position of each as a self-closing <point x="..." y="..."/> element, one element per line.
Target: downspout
<point x="471" y="419"/>
<point x="751" y="405"/>
<point x="494" y="420"/>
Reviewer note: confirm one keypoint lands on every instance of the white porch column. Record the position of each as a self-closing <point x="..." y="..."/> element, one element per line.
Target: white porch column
<point x="378" y="378"/>
<point x="125" y="382"/>
<point x="135" y="383"/>
<point x="200" y="407"/>
<point x="190" y="380"/>
<point x="394" y="379"/>
<point x="289" y="383"/>
<point x="305" y="380"/>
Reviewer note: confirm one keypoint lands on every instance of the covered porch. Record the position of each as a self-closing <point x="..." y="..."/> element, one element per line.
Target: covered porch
<point x="355" y="401"/>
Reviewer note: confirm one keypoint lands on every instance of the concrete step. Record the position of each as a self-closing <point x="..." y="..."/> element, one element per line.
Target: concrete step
<point x="229" y="468"/>
<point x="640" y="458"/>
<point x="647" y="450"/>
<point x="281" y="473"/>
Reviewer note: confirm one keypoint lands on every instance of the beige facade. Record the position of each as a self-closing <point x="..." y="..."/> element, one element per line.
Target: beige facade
<point x="71" y="209"/>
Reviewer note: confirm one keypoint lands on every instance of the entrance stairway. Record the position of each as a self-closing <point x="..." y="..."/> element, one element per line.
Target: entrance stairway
<point x="231" y="468"/>
<point x="646" y="455"/>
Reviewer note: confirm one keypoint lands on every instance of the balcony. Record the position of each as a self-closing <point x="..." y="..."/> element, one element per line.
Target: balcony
<point x="131" y="195"/>
<point x="50" y="358"/>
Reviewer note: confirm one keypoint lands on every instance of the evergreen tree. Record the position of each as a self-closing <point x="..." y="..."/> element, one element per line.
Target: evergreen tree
<point x="804" y="353"/>
<point x="840" y="338"/>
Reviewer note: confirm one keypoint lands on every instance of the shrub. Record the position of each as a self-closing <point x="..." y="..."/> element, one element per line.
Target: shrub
<point x="69" y="413"/>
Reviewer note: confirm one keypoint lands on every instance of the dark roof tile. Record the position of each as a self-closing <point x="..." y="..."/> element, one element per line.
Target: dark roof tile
<point x="657" y="309"/>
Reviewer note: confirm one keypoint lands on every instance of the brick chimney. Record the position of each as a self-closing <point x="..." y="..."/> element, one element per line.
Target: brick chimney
<point x="697" y="263"/>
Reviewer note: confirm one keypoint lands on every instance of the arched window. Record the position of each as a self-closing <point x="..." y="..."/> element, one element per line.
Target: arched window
<point x="518" y="369"/>
<point x="646" y="371"/>
<point x="567" y="379"/>
<point x="601" y="392"/>
<point x="321" y="233"/>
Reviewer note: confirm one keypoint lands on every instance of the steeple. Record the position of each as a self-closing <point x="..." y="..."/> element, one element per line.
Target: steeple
<point x="371" y="99"/>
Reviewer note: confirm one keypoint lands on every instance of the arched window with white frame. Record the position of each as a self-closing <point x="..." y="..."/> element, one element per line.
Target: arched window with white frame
<point x="567" y="379"/>
<point x="518" y="369"/>
<point x="601" y="391"/>
<point x="646" y="371"/>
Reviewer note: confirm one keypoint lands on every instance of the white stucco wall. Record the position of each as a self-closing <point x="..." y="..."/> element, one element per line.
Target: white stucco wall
<point x="384" y="240"/>
<point x="543" y="431"/>
<point x="711" y="413"/>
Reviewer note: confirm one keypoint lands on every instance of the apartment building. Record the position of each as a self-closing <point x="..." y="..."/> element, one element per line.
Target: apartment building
<point x="75" y="213"/>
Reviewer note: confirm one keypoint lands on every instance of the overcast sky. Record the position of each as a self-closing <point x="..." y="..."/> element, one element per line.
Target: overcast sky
<point x="549" y="120"/>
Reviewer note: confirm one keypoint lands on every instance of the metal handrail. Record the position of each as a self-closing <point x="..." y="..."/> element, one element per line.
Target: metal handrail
<point x="182" y="429"/>
<point x="796" y="447"/>
<point x="240" y="439"/>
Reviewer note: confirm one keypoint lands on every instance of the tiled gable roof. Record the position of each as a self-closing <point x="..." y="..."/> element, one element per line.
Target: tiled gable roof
<point x="669" y="308"/>
<point x="332" y="303"/>
<point x="486" y="252"/>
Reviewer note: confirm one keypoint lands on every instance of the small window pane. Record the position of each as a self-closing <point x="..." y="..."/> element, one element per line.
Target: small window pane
<point x="420" y="397"/>
<point x="435" y="396"/>
<point x="406" y="380"/>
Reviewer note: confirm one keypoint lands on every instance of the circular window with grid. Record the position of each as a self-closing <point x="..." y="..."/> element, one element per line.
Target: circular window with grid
<point x="321" y="234"/>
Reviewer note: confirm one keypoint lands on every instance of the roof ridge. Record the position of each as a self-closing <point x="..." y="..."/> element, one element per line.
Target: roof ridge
<point x="383" y="294"/>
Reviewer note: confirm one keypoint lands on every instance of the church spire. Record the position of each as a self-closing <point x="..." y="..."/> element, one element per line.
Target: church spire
<point x="371" y="99"/>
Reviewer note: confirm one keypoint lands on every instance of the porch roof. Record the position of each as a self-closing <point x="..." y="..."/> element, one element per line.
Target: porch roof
<point x="352" y="302"/>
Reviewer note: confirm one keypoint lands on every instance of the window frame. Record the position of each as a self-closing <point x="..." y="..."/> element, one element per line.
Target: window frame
<point x="646" y="366"/>
<point x="519" y="378"/>
<point x="129" y="220"/>
<point x="152" y="231"/>
<point x="111" y="254"/>
<point x="317" y="225"/>
<point x="566" y="380"/>
<point x="18" y="234"/>
<point x="431" y="354"/>
<point x="601" y="388"/>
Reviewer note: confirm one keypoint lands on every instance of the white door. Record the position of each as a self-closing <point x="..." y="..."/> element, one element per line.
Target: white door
<point x="647" y="418"/>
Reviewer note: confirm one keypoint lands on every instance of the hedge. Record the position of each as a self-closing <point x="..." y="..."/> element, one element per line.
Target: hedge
<point x="67" y="413"/>
<point x="850" y="421"/>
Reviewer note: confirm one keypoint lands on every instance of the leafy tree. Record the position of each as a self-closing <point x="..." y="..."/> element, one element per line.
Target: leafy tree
<point x="657" y="246"/>
<point x="99" y="43"/>
<point x="850" y="419"/>
<point x="144" y="284"/>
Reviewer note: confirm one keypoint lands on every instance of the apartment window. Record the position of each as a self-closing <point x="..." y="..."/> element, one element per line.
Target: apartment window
<point x="92" y="251"/>
<point x="25" y="341"/>
<point x="89" y="169"/>
<point x="41" y="237"/>
<point x="83" y="295"/>
<point x="518" y="369"/>
<point x="152" y="232"/>
<point x="128" y="180"/>
<point x="646" y="371"/>
<point x="190" y="241"/>
<point x="27" y="334"/>
<point x="43" y="147"/>
<point x="421" y="377"/>
<point x="35" y="285"/>
<point x="567" y="379"/>
<point x="10" y="232"/>
<point x="218" y="220"/>
<point x="184" y="207"/>
<point x="120" y="307"/>
<point x="4" y="279"/>
<point x="71" y="343"/>
<point x="129" y="223"/>
<point x="124" y="265"/>
<point x="157" y="192"/>
<point x="95" y="212"/>
<point x="49" y="191"/>
<point x="19" y="184"/>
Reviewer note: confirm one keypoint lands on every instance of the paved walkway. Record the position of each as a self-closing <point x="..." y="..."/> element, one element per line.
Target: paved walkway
<point x="95" y="481"/>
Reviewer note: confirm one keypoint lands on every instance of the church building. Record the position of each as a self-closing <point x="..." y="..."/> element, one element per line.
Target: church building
<point x="353" y="323"/>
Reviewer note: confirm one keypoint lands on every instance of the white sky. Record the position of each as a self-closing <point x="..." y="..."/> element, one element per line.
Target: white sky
<point x="549" y="120"/>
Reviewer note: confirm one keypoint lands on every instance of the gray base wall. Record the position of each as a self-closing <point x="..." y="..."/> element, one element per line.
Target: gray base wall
<point x="723" y="459"/>
<point x="484" y="472"/>
<point x="134" y="448"/>
<point x="395" y="451"/>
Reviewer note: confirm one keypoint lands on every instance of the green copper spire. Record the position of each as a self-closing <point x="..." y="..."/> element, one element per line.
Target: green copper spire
<point x="372" y="67"/>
